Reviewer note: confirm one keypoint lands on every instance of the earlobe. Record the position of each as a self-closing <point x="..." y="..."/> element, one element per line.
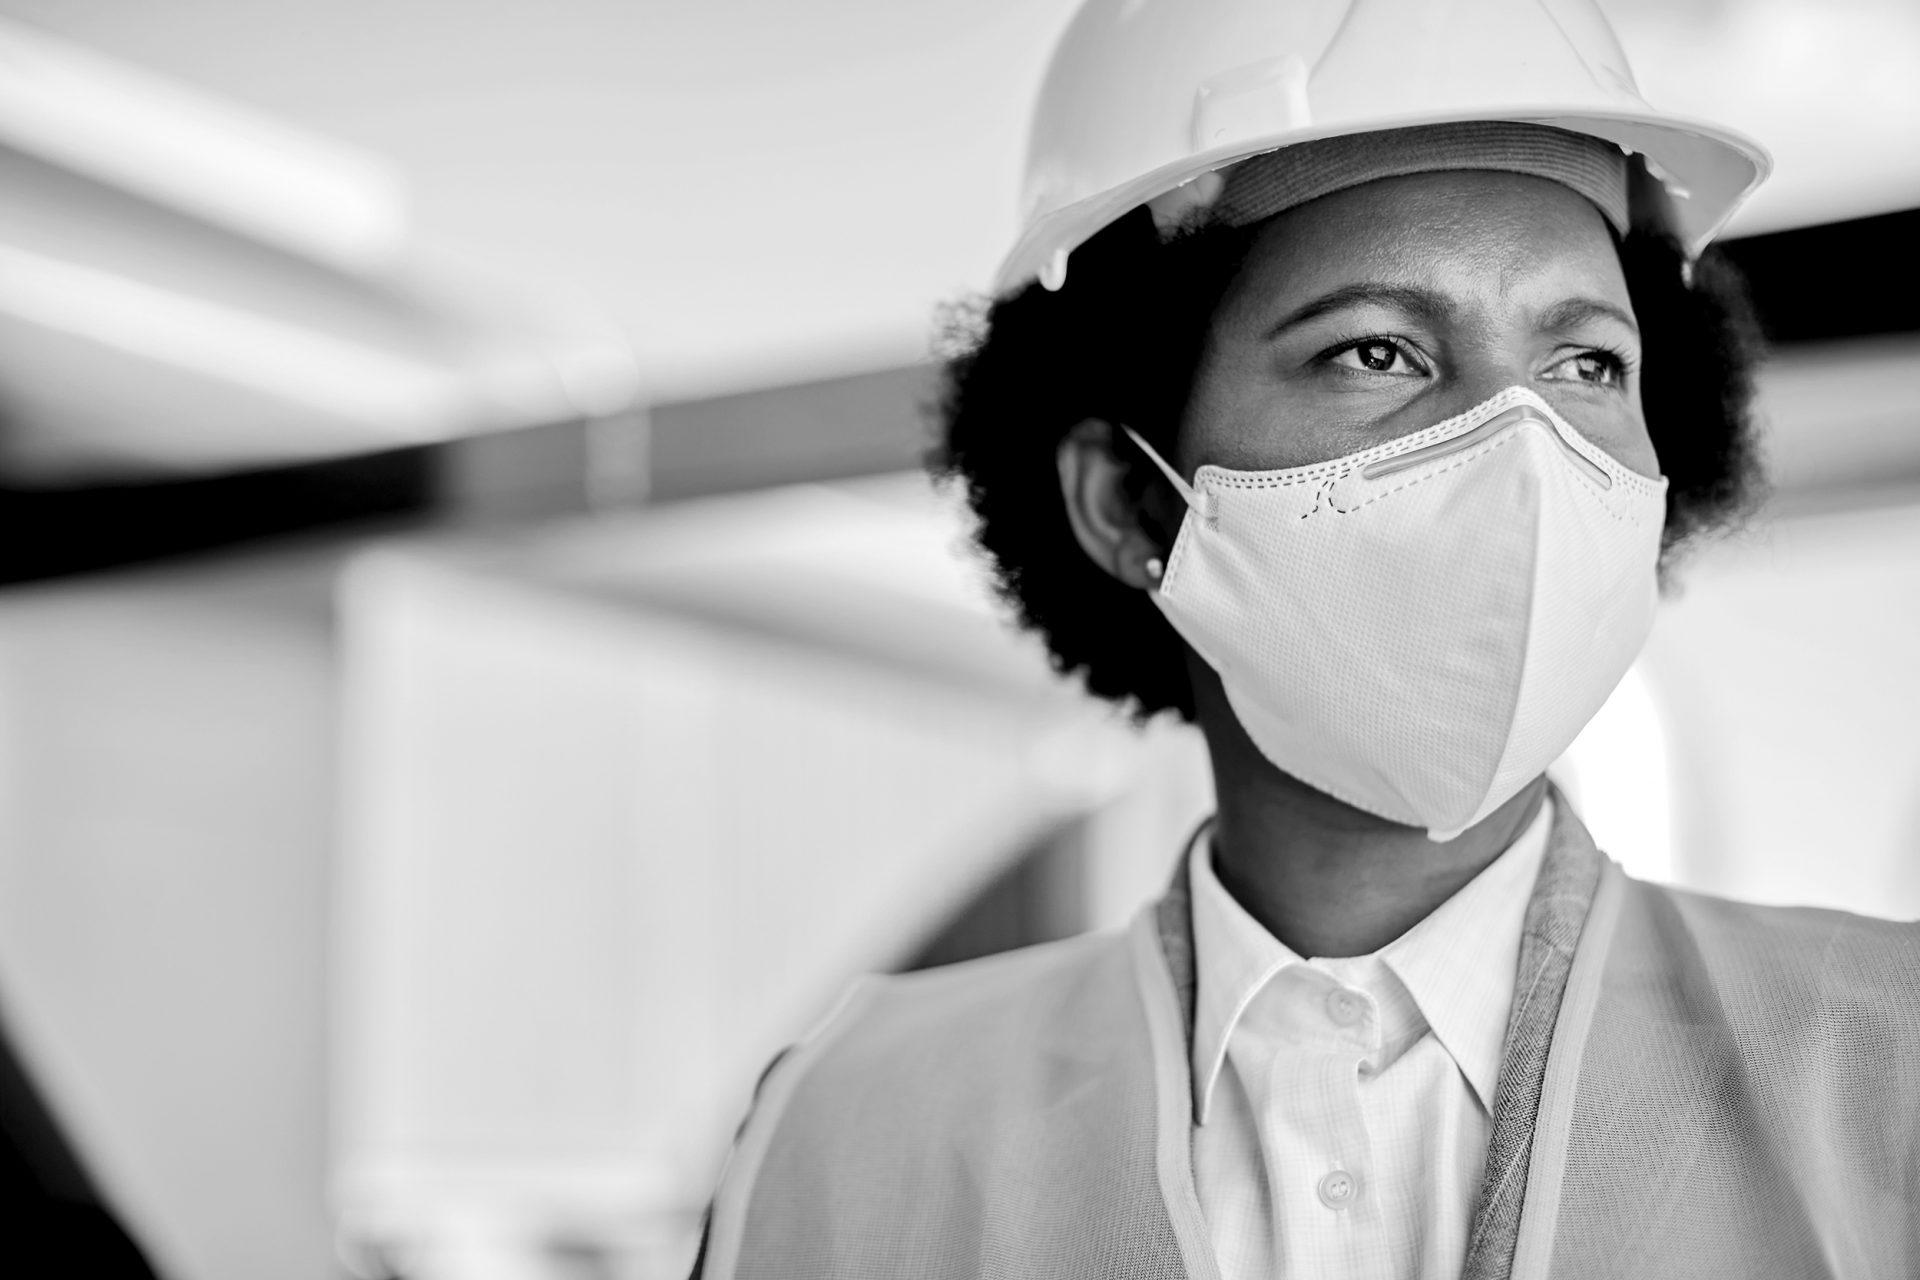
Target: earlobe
<point x="1104" y="516"/>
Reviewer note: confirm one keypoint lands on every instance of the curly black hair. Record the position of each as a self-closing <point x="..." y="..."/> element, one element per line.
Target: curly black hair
<point x="1122" y="341"/>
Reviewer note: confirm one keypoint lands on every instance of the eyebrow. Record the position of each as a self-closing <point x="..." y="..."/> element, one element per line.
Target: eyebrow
<point x="1424" y="303"/>
<point x="1431" y="306"/>
<point x="1574" y="311"/>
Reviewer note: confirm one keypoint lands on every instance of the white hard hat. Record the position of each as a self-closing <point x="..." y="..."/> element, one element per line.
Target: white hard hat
<point x="1143" y="96"/>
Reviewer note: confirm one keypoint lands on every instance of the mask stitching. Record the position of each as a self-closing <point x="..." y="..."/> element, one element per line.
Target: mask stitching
<point x="1645" y="489"/>
<point x="1457" y="425"/>
<point x="1460" y="424"/>
<point x="1621" y="509"/>
<point x="1473" y="456"/>
<point x="1178" y="555"/>
<point x="1622" y="475"/>
<point x="1255" y="481"/>
<point x="1318" y="498"/>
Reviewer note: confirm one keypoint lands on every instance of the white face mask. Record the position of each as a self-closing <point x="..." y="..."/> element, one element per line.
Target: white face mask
<point x="1420" y="628"/>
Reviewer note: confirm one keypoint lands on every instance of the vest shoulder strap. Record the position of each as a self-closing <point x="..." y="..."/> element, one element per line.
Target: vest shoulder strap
<point x="996" y="1118"/>
<point x="1748" y="1101"/>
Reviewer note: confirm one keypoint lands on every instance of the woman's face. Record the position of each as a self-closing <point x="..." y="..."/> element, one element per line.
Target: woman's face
<point x="1378" y="311"/>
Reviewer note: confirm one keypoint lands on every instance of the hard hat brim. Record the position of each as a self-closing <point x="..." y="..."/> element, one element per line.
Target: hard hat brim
<point x="1708" y="171"/>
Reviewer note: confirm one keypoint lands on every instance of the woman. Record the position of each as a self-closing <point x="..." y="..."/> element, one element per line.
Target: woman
<point x="1360" y="440"/>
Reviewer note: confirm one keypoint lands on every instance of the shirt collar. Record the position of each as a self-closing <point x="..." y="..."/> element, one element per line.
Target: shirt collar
<point x="1234" y="958"/>
<point x="1458" y="963"/>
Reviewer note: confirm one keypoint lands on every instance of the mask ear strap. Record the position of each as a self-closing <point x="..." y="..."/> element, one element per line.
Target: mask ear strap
<point x="1201" y="504"/>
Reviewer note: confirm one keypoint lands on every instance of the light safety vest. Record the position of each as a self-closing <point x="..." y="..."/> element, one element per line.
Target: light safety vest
<point x="1689" y="1087"/>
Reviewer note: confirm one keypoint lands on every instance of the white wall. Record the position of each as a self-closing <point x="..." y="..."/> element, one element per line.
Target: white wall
<point x="1788" y="673"/>
<point x="165" y="832"/>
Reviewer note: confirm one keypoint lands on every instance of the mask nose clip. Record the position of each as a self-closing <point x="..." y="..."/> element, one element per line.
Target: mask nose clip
<point x="1201" y="504"/>
<point x="1499" y="424"/>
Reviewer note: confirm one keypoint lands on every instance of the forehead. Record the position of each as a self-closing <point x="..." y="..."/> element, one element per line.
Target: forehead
<point x="1469" y="231"/>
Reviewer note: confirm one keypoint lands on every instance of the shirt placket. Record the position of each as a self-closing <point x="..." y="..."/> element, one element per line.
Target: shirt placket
<point x="1313" y="1131"/>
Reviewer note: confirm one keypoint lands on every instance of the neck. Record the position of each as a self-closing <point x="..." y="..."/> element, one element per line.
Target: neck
<point x="1323" y="877"/>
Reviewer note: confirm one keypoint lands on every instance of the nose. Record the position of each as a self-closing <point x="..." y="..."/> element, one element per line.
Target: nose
<point x="1481" y="375"/>
<point x="1506" y="420"/>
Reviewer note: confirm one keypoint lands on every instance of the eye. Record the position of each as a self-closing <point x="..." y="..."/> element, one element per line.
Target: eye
<point x="1378" y="355"/>
<point x="1598" y="368"/>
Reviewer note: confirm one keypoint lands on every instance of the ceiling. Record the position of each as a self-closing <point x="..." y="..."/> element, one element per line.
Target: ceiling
<point x="761" y="191"/>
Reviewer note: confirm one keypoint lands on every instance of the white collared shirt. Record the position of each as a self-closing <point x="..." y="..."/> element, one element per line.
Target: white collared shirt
<point x="1344" y="1104"/>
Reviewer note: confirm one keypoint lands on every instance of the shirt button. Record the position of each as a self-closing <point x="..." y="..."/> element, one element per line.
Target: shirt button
<point x="1337" y="1189"/>
<point x="1344" y="1007"/>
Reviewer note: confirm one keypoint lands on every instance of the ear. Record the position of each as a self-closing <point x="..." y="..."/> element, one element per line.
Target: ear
<point x="1105" y="518"/>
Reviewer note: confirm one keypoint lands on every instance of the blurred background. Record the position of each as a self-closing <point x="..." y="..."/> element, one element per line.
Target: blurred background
<point x="480" y="670"/>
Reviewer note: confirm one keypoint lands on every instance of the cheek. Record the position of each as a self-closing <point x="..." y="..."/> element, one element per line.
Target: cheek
<point x="1614" y="422"/>
<point x="1243" y="416"/>
<point x="1221" y="424"/>
<point x="1625" y="436"/>
<point x="1640" y="455"/>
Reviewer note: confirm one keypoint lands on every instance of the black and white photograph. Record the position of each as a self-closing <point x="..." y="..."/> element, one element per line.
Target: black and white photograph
<point x="912" y="640"/>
